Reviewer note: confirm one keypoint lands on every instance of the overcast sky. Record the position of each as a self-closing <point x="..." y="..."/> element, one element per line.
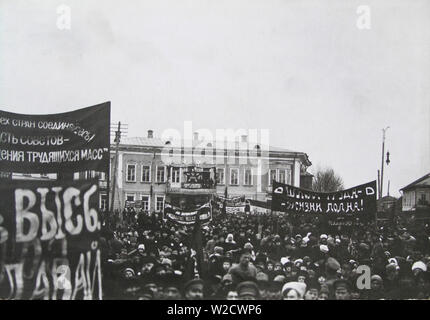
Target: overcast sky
<point x="302" y="69"/>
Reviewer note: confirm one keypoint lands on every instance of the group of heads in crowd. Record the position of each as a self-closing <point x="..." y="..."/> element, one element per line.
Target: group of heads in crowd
<point x="265" y="258"/>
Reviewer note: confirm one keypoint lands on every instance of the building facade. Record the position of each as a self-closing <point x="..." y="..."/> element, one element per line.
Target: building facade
<point x="416" y="195"/>
<point x="149" y="170"/>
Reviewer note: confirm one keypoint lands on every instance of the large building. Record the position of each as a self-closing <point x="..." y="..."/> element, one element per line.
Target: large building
<point x="150" y="169"/>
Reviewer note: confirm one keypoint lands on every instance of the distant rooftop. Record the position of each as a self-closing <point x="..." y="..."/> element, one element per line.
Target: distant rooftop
<point x="152" y="141"/>
<point x="421" y="182"/>
<point x="157" y="142"/>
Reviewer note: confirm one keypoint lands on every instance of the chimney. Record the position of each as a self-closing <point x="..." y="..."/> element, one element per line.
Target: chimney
<point x="150" y="134"/>
<point x="244" y="138"/>
<point x="196" y="136"/>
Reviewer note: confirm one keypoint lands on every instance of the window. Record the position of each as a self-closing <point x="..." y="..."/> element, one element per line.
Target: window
<point x="131" y="173"/>
<point x="146" y="174"/>
<point x="281" y="176"/>
<point x="272" y="176"/>
<point x="288" y="176"/>
<point x="220" y="176"/>
<point x="161" y="176"/>
<point x="176" y="175"/>
<point x="103" y="202"/>
<point x="159" y="206"/>
<point x="129" y="197"/>
<point x="234" y="177"/>
<point x="247" y="177"/>
<point x="145" y="203"/>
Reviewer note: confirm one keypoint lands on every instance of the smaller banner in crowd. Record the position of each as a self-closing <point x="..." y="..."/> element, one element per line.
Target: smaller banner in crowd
<point x="259" y="208"/>
<point x="64" y="142"/>
<point x="49" y="240"/>
<point x="232" y="205"/>
<point x="359" y="201"/>
<point x="177" y="215"/>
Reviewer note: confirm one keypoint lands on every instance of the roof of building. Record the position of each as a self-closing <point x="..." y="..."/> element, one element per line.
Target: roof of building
<point x="421" y="182"/>
<point x="160" y="143"/>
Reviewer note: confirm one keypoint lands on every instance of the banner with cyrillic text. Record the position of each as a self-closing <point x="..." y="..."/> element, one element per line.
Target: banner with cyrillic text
<point x="64" y="142"/>
<point x="49" y="240"/>
<point x="179" y="216"/>
<point x="359" y="201"/>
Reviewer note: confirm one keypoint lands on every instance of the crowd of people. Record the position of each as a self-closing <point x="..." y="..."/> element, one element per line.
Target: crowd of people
<point x="263" y="258"/>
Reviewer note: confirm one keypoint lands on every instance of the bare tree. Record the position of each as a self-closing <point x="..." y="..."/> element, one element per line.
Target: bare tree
<point x="326" y="180"/>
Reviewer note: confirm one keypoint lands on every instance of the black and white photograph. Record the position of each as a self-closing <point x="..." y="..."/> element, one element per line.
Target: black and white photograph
<point x="235" y="152"/>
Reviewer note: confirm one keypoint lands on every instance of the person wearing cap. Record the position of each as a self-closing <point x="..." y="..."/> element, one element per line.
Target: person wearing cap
<point x="342" y="289"/>
<point x="419" y="267"/>
<point x="263" y="283"/>
<point x="376" y="287"/>
<point x="293" y="290"/>
<point x="323" y="239"/>
<point x="193" y="289"/>
<point x="171" y="292"/>
<point x="248" y="290"/>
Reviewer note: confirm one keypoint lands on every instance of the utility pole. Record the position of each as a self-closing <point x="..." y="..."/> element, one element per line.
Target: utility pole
<point x="115" y="168"/>
<point x="382" y="163"/>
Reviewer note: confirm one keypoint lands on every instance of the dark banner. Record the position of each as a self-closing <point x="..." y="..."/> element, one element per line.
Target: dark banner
<point x="49" y="240"/>
<point x="232" y="205"/>
<point x="64" y="142"/>
<point x="359" y="201"/>
<point x="179" y="216"/>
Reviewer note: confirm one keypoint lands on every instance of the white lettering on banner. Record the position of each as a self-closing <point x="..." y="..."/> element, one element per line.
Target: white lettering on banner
<point x="24" y="214"/>
<point x="4" y="121"/>
<point x="279" y="190"/>
<point x="48" y="217"/>
<point x="60" y="274"/>
<point x="12" y="155"/>
<point x="4" y="234"/>
<point x="24" y="123"/>
<point x="370" y="191"/>
<point x="52" y="222"/>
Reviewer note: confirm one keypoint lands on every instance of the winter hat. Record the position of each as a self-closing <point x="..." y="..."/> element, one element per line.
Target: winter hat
<point x="323" y="236"/>
<point x="377" y="278"/>
<point x="284" y="260"/>
<point x="218" y="250"/>
<point x="141" y="247"/>
<point x="300" y="261"/>
<point x="300" y="288"/>
<point x="248" y="288"/>
<point x="193" y="282"/>
<point x="128" y="270"/>
<point x="393" y="261"/>
<point x="419" y="265"/>
<point x="279" y="278"/>
<point x="261" y="276"/>
<point x="324" y="248"/>
<point x="248" y="246"/>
